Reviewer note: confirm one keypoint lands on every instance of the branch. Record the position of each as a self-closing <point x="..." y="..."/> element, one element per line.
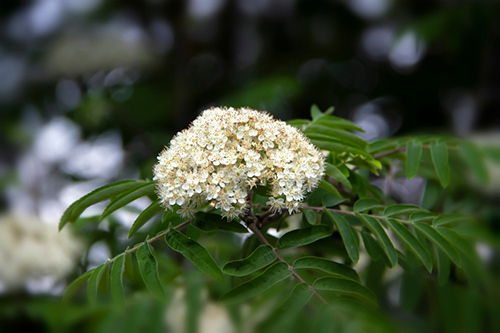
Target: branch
<point x="266" y="219"/>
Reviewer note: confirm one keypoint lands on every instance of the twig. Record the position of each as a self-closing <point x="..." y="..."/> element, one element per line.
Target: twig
<point x="265" y="214"/>
<point x="269" y="219"/>
<point x="345" y="212"/>
<point x="155" y="238"/>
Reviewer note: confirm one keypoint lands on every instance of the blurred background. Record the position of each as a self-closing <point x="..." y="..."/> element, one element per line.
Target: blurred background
<point x="91" y="90"/>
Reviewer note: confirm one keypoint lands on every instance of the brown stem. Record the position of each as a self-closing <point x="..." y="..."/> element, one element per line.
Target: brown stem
<point x="265" y="214"/>
<point x="250" y="207"/>
<point x="268" y="220"/>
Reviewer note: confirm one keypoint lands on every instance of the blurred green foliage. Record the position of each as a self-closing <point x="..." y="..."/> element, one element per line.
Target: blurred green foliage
<point x="279" y="58"/>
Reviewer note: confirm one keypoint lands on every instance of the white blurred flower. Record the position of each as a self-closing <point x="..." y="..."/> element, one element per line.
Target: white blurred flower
<point x="225" y="152"/>
<point x="31" y="250"/>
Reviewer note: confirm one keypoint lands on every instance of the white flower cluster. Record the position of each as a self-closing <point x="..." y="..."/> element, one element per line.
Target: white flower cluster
<point x="31" y="250"/>
<point x="226" y="152"/>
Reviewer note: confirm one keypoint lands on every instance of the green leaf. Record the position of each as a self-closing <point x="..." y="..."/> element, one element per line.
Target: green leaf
<point x="435" y="237"/>
<point x="338" y="147"/>
<point x="259" y="258"/>
<point x="363" y="188"/>
<point x="460" y="243"/>
<point x="432" y="194"/>
<point x="94" y="281"/>
<point x="413" y="158"/>
<point x="148" y="267"/>
<point x="339" y="123"/>
<point x="371" y="245"/>
<point x="449" y="218"/>
<point x="347" y="235"/>
<point x="315" y="112"/>
<point x="475" y="160"/>
<point x="329" y="187"/>
<point x="131" y="269"/>
<point x="299" y="123"/>
<point x="346" y="287"/>
<point x="422" y="216"/>
<point x="339" y="135"/>
<point x="207" y="222"/>
<point x="439" y="154"/>
<point x="129" y="196"/>
<point x="382" y="146"/>
<point x="146" y="215"/>
<point x="329" y="111"/>
<point x="195" y="253"/>
<point x="284" y="315"/>
<point x="310" y="215"/>
<point x="117" y="271"/>
<point x="401" y="209"/>
<point x="412" y="285"/>
<point x="334" y="172"/>
<point x="360" y="318"/>
<point x="304" y="236"/>
<point x="274" y="274"/>
<point x="411" y="241"/>
<point x="326" y="265"/>
<point x="98" y="195"/>
<point x="383" y="240"/>
<point x="73" y="287"/>
<point x="330" y="200"/>
<point x="363" y="205"/>
<point x="443" y="266"/>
